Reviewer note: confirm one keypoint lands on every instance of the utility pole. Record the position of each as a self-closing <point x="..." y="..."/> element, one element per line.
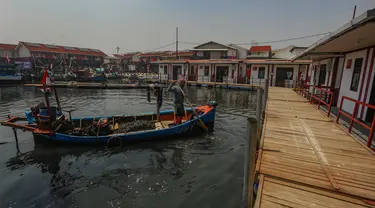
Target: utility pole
<point x="117" y="48"/>
<point x="176" y="43"/>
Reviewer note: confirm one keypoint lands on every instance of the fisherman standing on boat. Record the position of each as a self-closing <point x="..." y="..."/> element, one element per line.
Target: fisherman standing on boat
<point x="178" y="98"/>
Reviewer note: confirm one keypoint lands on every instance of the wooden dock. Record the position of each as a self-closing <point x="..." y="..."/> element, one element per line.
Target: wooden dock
<point x="306" y="160"/>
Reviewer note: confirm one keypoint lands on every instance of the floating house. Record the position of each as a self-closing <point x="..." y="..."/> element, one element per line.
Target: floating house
<point x="343" y="62"/>
<point x="215" y="62"/>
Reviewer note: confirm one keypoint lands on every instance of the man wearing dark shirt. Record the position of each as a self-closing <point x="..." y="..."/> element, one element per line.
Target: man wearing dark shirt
<point x="178" y="99"/>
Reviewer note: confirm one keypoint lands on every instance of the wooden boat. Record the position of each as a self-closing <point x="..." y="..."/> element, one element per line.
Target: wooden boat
<point x="77" y="130"/>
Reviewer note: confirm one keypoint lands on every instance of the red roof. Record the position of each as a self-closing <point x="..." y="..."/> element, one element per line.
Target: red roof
<point x="260" y="48"/>
<point x="8" y="47"/>
<point x="38" y="47"/>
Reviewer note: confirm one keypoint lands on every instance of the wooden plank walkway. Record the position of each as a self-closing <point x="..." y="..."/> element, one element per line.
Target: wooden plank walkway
<point x="306" y="160"/>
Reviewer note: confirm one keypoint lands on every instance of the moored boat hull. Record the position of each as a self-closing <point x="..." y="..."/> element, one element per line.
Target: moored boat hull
<point x="187" y="127"/>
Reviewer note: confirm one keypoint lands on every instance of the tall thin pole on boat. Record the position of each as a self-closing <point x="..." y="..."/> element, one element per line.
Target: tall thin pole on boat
<point x="176" y="43"/>
<point x="355" y="9"/>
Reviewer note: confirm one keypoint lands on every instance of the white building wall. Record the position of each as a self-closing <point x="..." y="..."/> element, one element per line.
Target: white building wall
<point x="297" y="51"/>
<point x="367" y="100"/>
<point x="254" y="74"/>
<point x="162" y="75"/>
<point x="23" y="51"/>
<point x="215" y="54"/>
<point x="242" y="54"/>
<point x="339" y="73"/>
<point x="259" y="54"/>
<point x="347" y="78"/>
<point x="282" y="53"/>
<point x="232" y="52"/>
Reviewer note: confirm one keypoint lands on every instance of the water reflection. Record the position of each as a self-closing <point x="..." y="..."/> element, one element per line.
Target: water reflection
<point x="171" y="173"/>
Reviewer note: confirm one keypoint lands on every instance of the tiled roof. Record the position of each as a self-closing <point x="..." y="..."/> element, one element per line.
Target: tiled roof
<point x="153" y="54"/>
<point x="180" y="53"/>
<point x="260" y="48"/>
<point x="277" y="61"/>
<point x="49" y="48"/>
<point x="8" y="47"/>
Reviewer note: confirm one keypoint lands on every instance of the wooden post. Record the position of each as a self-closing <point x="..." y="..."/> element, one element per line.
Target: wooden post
<point x="266" y="86"/>
<point x="250" y="163"/>
<point x="258" y="109"/>
<point x="46" y="96"/>
<point x="57" y="99"/>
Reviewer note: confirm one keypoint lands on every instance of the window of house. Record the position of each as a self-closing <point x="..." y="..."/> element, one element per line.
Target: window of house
<point x="356" y="74"/>
<point x="233" y="73"/>
<point x="206" y="54"/>
<point x="261" y="72"/>
<point x="206" y="71"/>
<point x="165" y="69"/>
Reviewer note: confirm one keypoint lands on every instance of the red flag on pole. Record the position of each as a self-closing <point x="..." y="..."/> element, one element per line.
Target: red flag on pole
<point x="45" y="80"/>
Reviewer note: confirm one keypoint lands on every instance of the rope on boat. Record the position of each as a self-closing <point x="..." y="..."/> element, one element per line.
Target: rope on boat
<point x="73" y="84"/>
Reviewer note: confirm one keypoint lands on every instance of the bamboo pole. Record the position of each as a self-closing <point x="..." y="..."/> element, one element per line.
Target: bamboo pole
<point x="250" y="163"/>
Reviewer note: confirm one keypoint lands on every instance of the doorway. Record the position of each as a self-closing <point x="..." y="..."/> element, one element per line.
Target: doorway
<point x="282" y="75"/>
<point x="221" y="72"/>
<point x="177" y="70"/>
<point x="322" y="75"/>
<point x="370" y="112"/>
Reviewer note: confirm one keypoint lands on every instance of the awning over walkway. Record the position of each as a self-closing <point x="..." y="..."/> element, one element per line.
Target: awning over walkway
<point x="354" y="35"/>
<point x="277" y="61"/>
<point x="204" y="61"/>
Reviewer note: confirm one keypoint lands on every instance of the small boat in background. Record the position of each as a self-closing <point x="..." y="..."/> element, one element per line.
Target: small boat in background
<point x="9" y="73"/>
<point x="98" y="75"/>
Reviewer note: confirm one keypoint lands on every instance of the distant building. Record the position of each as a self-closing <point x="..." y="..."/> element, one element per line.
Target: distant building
<point x="182" y="55"/>
<point x="214" y="50"/>
<point x="287" y="52"/>
<point x="215" y="62"/>
<point x="7" y="49"/>
<point x="46" y="54"/>
<point x="242" y="52"/>
<point x="260" y="52"/>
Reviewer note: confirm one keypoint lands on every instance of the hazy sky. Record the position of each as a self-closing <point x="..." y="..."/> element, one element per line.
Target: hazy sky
<point x="148" y="24"/>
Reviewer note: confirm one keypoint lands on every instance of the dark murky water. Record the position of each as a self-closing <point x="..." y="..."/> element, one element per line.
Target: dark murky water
<point x="188" y="172"/>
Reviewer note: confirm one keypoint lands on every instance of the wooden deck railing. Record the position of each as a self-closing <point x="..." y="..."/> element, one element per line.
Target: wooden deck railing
<point x="353" y="118"/>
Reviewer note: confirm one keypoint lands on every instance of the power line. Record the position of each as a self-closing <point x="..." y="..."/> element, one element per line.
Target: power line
<point x="284" y="40"/>
<point x="189" y="43"/>
<point x="159" y="47"/>
<point x="153" y="49"/>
